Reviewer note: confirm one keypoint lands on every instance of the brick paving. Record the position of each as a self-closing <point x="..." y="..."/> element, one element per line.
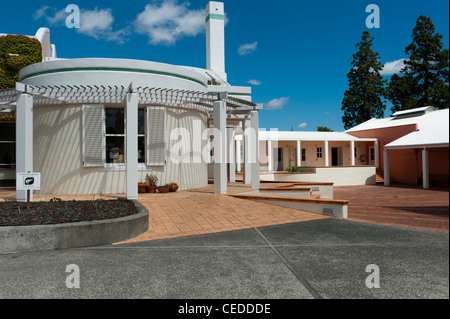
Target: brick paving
<point x="404" y="206"/>
<point x="200" y="211"/>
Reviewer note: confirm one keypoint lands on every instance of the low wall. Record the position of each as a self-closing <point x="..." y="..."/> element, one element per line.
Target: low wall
<point x="74" y="235"/>
<point x="335" y="208"/>
<point x="339" y="176"/>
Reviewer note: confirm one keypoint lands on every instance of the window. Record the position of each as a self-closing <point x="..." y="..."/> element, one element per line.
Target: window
<point x="355" y="152"/>
<point x="372" y="154"/>
<point x="115" y="135"/>
<point x="319" y="152"/>
<point x="141" y="136"/>
<point x="7" y="144"/>
<point x="104" y="136"/>
<point x="303" y="154"/>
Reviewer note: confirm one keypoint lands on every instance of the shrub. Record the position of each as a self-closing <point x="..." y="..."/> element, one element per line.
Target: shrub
<point x="16" y="52"/>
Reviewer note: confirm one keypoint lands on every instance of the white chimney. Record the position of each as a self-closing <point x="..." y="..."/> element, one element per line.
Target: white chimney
<point x="215" y="38"/>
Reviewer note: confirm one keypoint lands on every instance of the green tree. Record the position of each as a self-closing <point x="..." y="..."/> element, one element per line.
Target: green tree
<point x="324" y="129"/>
<point x="363" y="99"/>
<point x="424" y="79"/>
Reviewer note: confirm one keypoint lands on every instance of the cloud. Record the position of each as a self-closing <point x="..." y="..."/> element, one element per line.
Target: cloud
<point x="249" y="48"/>
<point x="98" y="24"/>
<point x="168" y="22"/>
<point x="52" y="16"/>
<point x="393" y="67"/>
<point x="254" y="82"/>
<point x="95" y="23"/>
<point x="303" y="125"/>
<point x="276" y="104"/>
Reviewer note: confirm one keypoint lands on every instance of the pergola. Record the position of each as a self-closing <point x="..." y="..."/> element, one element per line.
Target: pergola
<point x="218" y="107"/>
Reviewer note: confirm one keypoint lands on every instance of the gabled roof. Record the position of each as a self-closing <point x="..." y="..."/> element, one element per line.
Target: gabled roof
<point x="406" y="117"/>
<point x="433" y="132"/>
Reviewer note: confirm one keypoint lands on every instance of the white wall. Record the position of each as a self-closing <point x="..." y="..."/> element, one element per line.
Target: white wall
<point x="340" y="176"/>
<point x="58" y="155"/>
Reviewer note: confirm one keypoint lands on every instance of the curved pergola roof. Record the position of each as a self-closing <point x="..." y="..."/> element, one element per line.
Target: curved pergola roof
<point x="79" y="94"/>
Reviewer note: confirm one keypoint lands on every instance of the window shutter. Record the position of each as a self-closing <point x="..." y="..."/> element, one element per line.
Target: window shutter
<point x="93" y="140"/>
<point x="156" y="136"/>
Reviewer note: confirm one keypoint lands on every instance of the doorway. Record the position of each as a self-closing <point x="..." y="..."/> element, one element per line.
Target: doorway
<point x="278" y="158"/>
<point x="334" y="156"/>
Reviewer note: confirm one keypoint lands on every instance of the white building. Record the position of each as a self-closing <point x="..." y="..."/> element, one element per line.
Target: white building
<point x="94" y="126"/>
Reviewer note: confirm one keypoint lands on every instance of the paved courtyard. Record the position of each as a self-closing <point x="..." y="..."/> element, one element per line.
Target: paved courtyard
<point x="404" y="206"/>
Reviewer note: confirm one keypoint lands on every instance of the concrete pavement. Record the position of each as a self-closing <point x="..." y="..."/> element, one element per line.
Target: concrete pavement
<point x="324" y="258"/>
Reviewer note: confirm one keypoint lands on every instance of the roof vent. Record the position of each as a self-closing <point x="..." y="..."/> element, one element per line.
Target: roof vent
<point x="413" y="112"/>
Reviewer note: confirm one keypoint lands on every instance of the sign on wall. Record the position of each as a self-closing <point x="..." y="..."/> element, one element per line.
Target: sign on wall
<point x="28" y="181"/>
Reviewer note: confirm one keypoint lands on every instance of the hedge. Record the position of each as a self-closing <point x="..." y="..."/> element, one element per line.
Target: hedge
<point x="16" y="52"/>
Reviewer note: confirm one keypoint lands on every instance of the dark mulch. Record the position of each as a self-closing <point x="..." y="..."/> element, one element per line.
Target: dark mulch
<point x="58" y="212"/>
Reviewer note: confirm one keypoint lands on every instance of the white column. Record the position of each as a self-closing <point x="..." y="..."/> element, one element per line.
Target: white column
<point x="269" y="156"/>
<point x="24" y="140"/>
<point x="220" y="148"/>
<point x="231" y="156"/>
<point x="238" y="155"/>
<point x="299" y="153"/>
<point x="247" y="152"/>
<point x="377" y="154"/>
<point x="425" y="169"/>
<point x="255" y="166"/>
<point x="352" y="152"/>
<point x="215" y="37"/>
<point x="132" y="145"/>
<point x="326" y="153"/>
<point x="387" y="180"/>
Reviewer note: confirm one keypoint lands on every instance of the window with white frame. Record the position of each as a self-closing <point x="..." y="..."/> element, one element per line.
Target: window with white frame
<point x="303" y="154"/>
<point x="115" y="135"/>
<point x="104" y="136"/>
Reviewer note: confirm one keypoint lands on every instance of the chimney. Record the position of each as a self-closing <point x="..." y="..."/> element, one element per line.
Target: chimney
<point x="215" y="38"/>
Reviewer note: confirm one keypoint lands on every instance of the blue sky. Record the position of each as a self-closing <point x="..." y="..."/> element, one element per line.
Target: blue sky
<point x="297" y="52"/>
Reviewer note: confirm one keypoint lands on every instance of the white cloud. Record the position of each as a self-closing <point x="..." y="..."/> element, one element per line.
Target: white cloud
<point x="52" y="16"/>
<point x="393" y="67"/>
<point x="276" y="104"/>
<point x="96" y="23"/>
<point x="254" y="82"/>
<point x="168" y="22"/>
<point x="303" y="125"/>
<point x="248" y="48"/>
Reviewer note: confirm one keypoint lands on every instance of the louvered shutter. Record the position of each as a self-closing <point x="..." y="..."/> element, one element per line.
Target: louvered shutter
<point x="156" y="136"/>
<point x="93" y="140"/>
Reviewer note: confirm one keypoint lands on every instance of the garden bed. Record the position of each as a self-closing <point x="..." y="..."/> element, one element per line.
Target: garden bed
<point x="61" y="212"/>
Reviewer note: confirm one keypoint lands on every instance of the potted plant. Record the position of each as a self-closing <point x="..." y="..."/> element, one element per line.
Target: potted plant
<point x="152" y="181"/>
<point x="141" y="187"/>
<point x="173" y="187"/>
<point x="114" y="153"/>
<point x="163" y="189"/>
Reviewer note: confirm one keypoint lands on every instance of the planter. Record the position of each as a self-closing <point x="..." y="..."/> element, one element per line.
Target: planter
<point x="141" y="189"/>
<point x="163" y="189"/>
<point x="173" y="187"/>
<point x="151" y="189"/>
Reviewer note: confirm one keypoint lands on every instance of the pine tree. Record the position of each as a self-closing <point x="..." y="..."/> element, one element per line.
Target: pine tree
<point x="363" y="99"/>
<point x="424" y="79"/>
